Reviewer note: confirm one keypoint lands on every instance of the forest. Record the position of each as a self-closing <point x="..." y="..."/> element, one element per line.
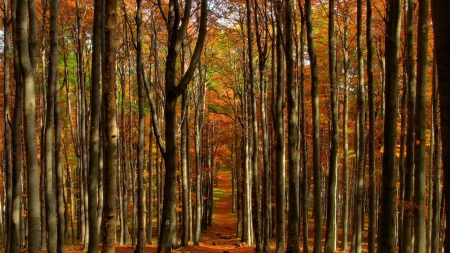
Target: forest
<point x="277" y="125"/>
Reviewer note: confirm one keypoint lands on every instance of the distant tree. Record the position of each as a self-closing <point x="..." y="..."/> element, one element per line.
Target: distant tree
<point x="280" y="197"/>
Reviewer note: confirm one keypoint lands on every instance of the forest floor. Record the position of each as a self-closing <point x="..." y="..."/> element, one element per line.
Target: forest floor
<point x="223" y="226"/>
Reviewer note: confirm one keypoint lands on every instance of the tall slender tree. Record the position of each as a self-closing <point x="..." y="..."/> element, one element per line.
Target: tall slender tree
<point x="140" y="246"/>
<point x="420" y="129"/>
<point x="316" y="142"/>
<point x="94" y="145"/>
<point x="50" y="199"/>
<point x="279" y="132"/>
<point x="293" y="154"/>
<point x="26" y="66"/>
<point x="371" y="91"/>
<point x="254" y="125"/>
<point x="334" y="135"/>
<point x="177" y="31"/>
<point x="388" y="211"/>
<point x="110" y="128"/>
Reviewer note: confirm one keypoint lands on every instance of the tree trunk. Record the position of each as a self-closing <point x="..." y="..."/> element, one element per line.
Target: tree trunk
<point x="254" y="124"/>
<point x="420" y="129"/>
<point x="293" y="152"/>
<point x="279" y="132"/>
<point x="173" y="91"/>
<point x="7" y="130"/>
<point x="199" y="110"/>
<point x="110" y="128"/>
<point x="372" y="176"/>
<point x="359" y="212"/>
<point x="34" y="238"/>
<point x="94" y="145"/>
<point x="334" y="136"/>
<point x="184" y="169"/>
<point x="316" y="141"/>
<point x="140" y="246"/>
<point x="436" y="170"/>
<point x="407" y="233"/>
<point x="345" y="211"/>
<point x="50" y="121"/>
<point x="388" y="213"/>
<point x="16" y="182"/>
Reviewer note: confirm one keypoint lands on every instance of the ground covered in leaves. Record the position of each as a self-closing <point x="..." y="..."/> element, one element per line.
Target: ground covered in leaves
<point x="221" y="236"/>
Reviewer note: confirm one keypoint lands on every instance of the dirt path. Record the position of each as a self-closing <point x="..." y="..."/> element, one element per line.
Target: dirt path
<point x="221" y="236"/>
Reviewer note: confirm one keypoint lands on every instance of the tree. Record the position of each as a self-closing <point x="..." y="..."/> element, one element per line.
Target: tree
<point x="359" y="217"/>
<point x="279" y="132"/>
<point x="254" y="124"/>
<point x="50" y="199"/>
<point x="293" y="154"/>
<point x="388" y="212"/>
<point x="440" y="11"/>
<point x="176" y="35"/>
<point x="316" y="142"/>
<point x="94" y="145"/>
<point x="334" y="135"/>
<point x="372" y="175"/>
<point x="140" y="246"/>
<point x="110" y="128"/>
<point x="420" y="129"/>
<point x="34" y="216"/>
<point x="407" y="241"/>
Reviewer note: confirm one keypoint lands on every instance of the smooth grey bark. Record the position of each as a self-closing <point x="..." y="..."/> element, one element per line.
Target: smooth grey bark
<point x="334" y="135"/>
<point x="388" y="211"/>
<point x="110" y="128"/>
<point x="149" y="232"/>
<point x="345" y="211"/>
<point x="140" y="246"/>
<point x="256" y="195"/>
<point x="293" y="149"/>
<point x="34" y="217"/>
<point x="262" y="59"/>
<point x="94" y="141"/>
<point x="316" y="141"/>
<point x="279" y="133"/>
<point x="420" y="129"/>
<point x="60" y="203"/>
<point x="371" y="93"/>
<point x="6" y="21"/>
<point x="198" y="127"/>
<point x="16" y="189"/>
<point x="359" y="213"/>
<point x="184" y="170"/>
<point x="54" y="53"/>
<point x="407" y="226"/>
<point x="50" y="197"/>
<point x="435" y="220"/>
<point x="305" y="180"/>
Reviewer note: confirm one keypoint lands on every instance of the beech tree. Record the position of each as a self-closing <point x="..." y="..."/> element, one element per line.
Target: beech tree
<point x="441" y="18"/>
<point x="388" y="211"/>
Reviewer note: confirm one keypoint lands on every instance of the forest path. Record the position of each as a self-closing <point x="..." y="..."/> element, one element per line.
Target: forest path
<point x="224" y="221"/>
